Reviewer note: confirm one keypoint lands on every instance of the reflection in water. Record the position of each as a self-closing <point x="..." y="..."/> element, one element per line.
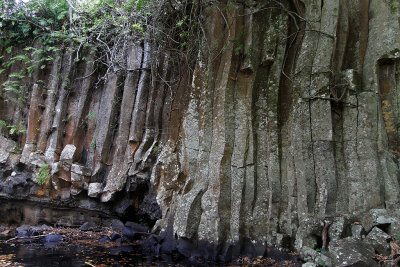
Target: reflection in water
<point x="74" y="255"/>
<point x="78" y="253"/>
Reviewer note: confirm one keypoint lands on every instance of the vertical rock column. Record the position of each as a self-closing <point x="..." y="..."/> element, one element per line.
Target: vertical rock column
<point x="33" y="124"/>
<point x="52" y="93"/>
<point x="271" y="38"/>
<point x="320" y="111"/>
<point x="119" y="171"/>
<point x="53" y="149"/>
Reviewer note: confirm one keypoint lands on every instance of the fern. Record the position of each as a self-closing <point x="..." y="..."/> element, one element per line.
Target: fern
<point x="43" y="175"/>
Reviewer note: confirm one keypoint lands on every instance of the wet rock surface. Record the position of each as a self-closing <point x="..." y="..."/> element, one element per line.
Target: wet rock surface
<point x="87" y="226"/>
<point x="134" y="231"/>
<point x="131" y="237"/>
<point x="52" y="240"/>
<point x="117" y="225"/>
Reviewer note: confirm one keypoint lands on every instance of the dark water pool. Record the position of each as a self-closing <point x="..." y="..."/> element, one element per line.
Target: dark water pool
<point x="33" y="253"/>
<point x="36" y="255"/>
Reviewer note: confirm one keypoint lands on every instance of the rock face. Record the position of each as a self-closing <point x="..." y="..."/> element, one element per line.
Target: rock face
<point x="296" y="120"/>
<point x="290" y="117"/>
<point x="94" y="139"/>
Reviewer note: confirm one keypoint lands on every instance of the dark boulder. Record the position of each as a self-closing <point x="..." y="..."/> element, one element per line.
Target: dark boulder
<point x="185" y="247"/>
<point x="52" y="240"/>
<point x="123" y="206"/>
<point x="137" y="227"/>
<point x="18" y="185"/>
<point x="28" y="231"/>
<point x="115" y="236"/>
<point x="104" y="239"/>
<point x="151" y="244"/>
<point x="87" y="226"/>
<point x="117" y="225"/>
<point x="134" y="231"/>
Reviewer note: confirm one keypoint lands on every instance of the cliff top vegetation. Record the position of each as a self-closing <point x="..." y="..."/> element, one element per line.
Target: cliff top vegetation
<point x="33" y="33"/>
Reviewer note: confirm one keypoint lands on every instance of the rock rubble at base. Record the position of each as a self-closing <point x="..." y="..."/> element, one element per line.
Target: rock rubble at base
<point x="350" y="252"/>
<point x="347" y="251"/>
<point x="350" y="244"/>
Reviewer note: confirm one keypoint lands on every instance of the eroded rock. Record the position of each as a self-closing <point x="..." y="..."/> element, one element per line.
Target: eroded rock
<point x="94" y="189"/>
<point x="67" y="154"/>
<point x="6" y="147"/>
<point x="274" y="130"/>
<point x="80" y="169"/>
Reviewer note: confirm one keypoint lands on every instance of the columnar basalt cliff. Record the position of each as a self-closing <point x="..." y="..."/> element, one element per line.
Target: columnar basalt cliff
<point x="289" y="117"/>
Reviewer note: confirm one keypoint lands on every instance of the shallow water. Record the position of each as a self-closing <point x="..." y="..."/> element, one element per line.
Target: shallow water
<point x="74" y="255"/>
<point x="89" y="252"/>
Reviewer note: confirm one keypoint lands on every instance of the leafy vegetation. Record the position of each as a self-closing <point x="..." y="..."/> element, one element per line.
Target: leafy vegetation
<point x="35" y="32"/>
<point x="106" y="25"/>
<point x="43" y="175"/>
<point x="12" y="129"/>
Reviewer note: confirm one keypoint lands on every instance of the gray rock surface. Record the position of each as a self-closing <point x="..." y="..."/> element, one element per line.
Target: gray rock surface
<point x="6" y="147"/>
<point x="80" y="169"/>
<point x="94" y="189"/>
<point x="376" y="217"/>
<point x="351" y="252"/>
<point x="357" y="231"/>
<point x="379" y="240"/>
<point x="336" y="229"/>
<point x="68" y="153"/>
<point x="310" y="255"/>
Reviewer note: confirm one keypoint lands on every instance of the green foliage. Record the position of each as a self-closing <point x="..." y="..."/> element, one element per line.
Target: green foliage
<point x="3" y="125"/>
<point x="318" y="249"/>
<point x="100" y="24"/>
<point x="90" y="116"/>
<point x="69" y="116"/>
<point x="22" y="22"/>
<point x="93" y="144"/>
<point x="394" y="6"/>
<point x="33" y="33"/>
<point x="43" y="175"/>
<point x="12" y="129"/>
<point x="17" y="149"/>
<point x="17" y="129"/>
